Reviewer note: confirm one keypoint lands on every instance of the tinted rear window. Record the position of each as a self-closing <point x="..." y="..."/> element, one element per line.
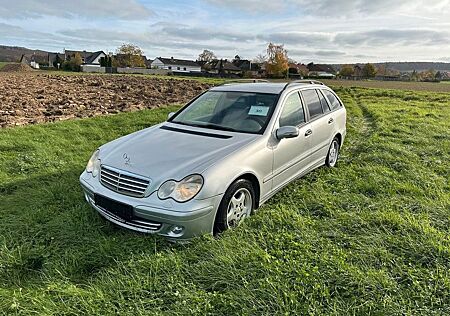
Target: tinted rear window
<point x="312" y="103"/>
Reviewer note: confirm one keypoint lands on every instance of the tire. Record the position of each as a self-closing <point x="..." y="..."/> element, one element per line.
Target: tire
<point x="233" y="209"/>
<point x="333" y="153"/>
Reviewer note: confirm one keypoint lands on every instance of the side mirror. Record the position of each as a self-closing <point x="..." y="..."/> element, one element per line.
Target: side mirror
<point x="286" y="132"/>
<point x="170" y="115"/>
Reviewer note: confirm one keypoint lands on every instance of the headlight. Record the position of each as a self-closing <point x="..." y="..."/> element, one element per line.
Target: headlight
<point x="93" y="165"/>
<point x="183" y="190"/>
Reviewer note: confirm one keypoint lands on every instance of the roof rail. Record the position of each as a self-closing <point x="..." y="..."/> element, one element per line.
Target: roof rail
<point x="245" y="81"/>
<point x="305" y="81"/>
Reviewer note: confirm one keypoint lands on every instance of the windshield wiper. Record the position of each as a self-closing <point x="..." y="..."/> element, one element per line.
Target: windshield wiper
<point x="216" y="126"/>
<point x="208" y="125"/>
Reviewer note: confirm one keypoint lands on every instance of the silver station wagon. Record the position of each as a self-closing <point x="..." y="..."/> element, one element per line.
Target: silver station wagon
<point x="217" y="159"/>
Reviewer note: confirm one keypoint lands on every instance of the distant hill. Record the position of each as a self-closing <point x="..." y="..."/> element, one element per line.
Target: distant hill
<point x="13" y="53"/>
<point x="409" y="66"/>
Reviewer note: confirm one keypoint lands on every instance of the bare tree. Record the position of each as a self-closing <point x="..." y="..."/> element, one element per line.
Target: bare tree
<point x="206" y="56"/>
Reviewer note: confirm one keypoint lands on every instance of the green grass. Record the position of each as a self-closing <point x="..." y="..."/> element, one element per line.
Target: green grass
<point x="3" y="63"/>
<point x="368" y="237"/>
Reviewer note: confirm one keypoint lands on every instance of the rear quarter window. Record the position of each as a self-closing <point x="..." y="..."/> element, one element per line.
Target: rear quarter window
<point x="332" y="99"/>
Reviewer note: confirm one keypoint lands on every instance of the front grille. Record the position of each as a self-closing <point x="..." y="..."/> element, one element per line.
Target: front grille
<point x="123" y="182"/>
<point x="145" y="224"/>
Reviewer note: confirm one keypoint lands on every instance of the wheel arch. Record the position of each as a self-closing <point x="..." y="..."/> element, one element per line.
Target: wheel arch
<point x="255" y="183"/>
<point x="338" y="135"/>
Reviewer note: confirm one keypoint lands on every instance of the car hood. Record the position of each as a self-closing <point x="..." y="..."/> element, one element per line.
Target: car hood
<point x="171" y="151"/>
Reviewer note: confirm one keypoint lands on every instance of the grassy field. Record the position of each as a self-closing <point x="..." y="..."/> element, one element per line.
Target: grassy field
<point x="2" y="63"/>
<point x="369" y="237"/>
<point x="442" y="86"/>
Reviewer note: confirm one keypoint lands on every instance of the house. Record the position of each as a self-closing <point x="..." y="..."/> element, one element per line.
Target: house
<point x="94" y="58"/>
<point x="321" y="75"/>
<point x="223" y="67"/>
<point x="148" y="62"/>
<point x="173" y="64"/>
<point x="87" y="58"/>
<point x="321" y="68"/>
<point x="445" y="75"/>
<point x="298" y="69"/>
<point x="248" y="67"/>
<point x="321" y="71"/>
<point x="30" y="61"/>
<point x="54" y="59"/>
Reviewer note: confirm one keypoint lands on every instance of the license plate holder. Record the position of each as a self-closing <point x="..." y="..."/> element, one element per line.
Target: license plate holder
<point x="121" y="210"/>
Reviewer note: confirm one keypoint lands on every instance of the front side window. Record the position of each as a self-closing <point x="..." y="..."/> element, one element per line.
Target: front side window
<point x="334" y="102"/>
<point x="245" y="112"/>
<point x="292" y="113"/>
<point x="312" y="103"/>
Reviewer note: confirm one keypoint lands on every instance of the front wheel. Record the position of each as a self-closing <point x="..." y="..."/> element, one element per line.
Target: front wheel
<point x="236" y="205"/>
<point x="333" y="153"/>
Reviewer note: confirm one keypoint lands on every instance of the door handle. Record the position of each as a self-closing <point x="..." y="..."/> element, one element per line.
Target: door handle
<point x="308" y="132"/>
<point x="331" y="120"/>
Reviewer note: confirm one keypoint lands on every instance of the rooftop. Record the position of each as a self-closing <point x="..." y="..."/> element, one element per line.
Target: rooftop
<point x="261" y="87"/>
<point x="178" y="62"/>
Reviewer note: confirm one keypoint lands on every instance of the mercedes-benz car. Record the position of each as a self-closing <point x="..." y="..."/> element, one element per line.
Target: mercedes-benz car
<point x="216" y="160"/>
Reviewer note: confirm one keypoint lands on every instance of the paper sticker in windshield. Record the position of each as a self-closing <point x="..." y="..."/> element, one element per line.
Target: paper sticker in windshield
<point x="258" y="110"/>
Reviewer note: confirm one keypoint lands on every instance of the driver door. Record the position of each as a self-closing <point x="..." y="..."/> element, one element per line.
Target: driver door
<point x="291" y="155"/>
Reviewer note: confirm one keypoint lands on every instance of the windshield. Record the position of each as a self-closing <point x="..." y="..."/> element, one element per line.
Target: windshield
<point x="245" y="112"/>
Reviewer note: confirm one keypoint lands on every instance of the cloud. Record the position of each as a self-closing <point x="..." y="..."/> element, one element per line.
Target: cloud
<point x="339" y="8"/>
<point x="255" y="6"/>
<point x="148" y="40"/>
<point x="347" y="7"/>
<point x="297" y="38"/>
<point x="320" y="31"/>
<point x="393" y="37"/>
<point x="14" y="31"/>
<point x="205" y="33"/>
<point x="119" y="9"/>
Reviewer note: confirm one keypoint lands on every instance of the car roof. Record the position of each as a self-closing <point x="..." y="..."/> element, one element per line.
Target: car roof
<point x="263" y="87"/>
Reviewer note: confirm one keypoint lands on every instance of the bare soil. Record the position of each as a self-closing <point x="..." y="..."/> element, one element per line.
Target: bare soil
<point x="16" y="67"/>
<point x="30" y="98"/>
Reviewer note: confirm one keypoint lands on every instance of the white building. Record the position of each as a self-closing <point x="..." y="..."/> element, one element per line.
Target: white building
<point x="87" y="58"/>
<point x="94" y="59"/>
<point x="177" y="65"/>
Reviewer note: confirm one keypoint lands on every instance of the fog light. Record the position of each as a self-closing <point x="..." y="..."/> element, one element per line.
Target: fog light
<point x="176" y="230"/>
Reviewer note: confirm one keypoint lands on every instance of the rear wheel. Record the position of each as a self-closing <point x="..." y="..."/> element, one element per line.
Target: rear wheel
<point x="333" y="153"/>
<point x="237" y="204"/>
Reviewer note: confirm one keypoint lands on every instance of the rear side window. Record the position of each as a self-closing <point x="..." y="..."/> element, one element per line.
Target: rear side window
<point x="334" y="102"/>
<point x="312" y="103"/>
<point x="292" y="113"/>
<point x="323" y="101"/>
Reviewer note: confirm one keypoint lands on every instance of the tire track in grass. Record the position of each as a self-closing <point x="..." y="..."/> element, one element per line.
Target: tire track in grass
<point x="364" y="127"/>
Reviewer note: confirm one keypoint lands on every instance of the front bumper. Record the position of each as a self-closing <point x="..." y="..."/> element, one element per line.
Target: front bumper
<point x="152" y="215"/>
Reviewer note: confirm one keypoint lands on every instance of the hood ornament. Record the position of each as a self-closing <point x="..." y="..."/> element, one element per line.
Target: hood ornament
<point x="127" y="159"/>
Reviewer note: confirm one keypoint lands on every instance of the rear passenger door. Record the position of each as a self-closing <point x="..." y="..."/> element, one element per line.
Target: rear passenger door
<point x="320" y="124"/>
<point x="291" y="155"/>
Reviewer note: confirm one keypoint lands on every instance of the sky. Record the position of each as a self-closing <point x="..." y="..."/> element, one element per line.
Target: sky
<point x="322" y="31"/>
